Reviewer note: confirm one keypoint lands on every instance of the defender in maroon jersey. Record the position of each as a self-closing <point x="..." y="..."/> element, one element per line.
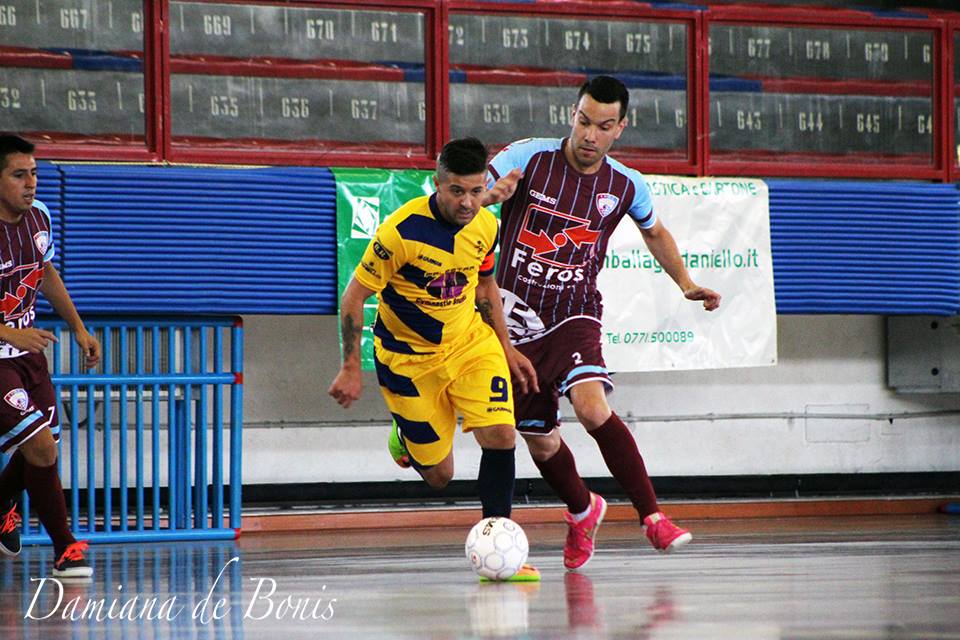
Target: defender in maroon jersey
<point x="561" y="203"/>
<point x="29" y="425"/>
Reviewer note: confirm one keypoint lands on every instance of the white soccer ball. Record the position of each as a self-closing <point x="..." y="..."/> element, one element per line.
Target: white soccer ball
<point x="496" y="548"/>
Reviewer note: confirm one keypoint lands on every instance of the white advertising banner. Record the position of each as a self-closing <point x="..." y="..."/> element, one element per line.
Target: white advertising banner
<point x="722" y="227"/>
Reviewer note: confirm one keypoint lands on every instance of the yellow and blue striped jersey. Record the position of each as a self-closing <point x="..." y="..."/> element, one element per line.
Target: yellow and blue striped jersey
<point x="425" y="272"/>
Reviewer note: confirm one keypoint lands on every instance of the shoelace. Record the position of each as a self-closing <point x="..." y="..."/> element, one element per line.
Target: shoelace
<point x="11" y="521"/>
<point x="74" y="551"/>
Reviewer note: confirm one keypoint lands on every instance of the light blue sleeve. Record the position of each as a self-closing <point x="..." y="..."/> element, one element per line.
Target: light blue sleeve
<point x="51" y="251"/>
<point x="641" y="209"/>
<point x="517" y="154"/>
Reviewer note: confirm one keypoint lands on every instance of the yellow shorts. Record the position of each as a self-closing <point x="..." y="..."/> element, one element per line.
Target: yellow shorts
<point x="426" y="392"/>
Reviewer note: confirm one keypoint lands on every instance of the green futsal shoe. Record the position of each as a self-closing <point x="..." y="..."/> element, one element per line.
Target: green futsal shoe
<point x="527" y="573"/>
<point x="397" y="451"/>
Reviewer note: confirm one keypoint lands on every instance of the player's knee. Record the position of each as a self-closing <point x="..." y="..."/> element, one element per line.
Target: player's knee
<point x="501" y="436"/>
<point x="439" y="475"/>
<point x="438" y="482"/>
<point x="592" y="414"/>
<point x="40" y="452"/>
<point x="542" y="448"/>
<point x="589" y="400"/>
<point x="438" y="478"/>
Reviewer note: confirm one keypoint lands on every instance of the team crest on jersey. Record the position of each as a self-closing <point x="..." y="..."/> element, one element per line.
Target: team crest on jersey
<point x="606" y="203"/>
<point x="42" y="240"/>
<point x="18" y="399"/>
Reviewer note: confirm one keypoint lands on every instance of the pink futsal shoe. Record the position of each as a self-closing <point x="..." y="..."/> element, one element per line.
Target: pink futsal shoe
<point x="663" y="534"/>
<point x="581" y="536"/>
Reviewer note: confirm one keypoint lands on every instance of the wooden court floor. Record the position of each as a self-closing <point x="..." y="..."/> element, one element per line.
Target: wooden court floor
<point x="811" y="578"/>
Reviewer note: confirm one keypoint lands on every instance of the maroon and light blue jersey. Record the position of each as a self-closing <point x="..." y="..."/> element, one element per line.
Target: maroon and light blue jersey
<point x="24" y="248"/>
<point x="554" y="233"/>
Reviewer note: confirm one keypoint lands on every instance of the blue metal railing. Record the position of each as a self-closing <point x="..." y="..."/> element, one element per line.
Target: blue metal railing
<point x="174" y="378"/>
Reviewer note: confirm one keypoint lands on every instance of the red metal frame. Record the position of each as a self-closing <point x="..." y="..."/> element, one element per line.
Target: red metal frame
<point x="373" y="157"/>
<point x="850" y="168"/>
<point x="159" y="146"/>
<point x="442" y="92"/>
<point x="618" y="10"/>
<point x="703" y="86"/>
<point x="954" y="93"/>
<point x="153" y="96"/>
<point x="438" y="60"/>
<point x="162" y="79"/>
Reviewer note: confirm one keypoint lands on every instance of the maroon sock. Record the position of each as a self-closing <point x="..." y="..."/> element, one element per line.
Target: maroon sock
<point x="46" y="496"/>
<point x="560" y="472"/>
<point x="11" y="479"/>
<point x="620" y="452"/>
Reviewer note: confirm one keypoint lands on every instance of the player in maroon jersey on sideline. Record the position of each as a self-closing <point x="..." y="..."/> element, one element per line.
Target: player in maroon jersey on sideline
<point x="562" y="201"/>
<point x="29" y="425"/>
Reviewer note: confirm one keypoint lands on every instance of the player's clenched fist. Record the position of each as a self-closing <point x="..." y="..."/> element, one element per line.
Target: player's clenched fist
<point x="346" y="387"/>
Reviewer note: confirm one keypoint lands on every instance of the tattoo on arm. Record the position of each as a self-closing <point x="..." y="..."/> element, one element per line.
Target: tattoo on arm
<point x="351" y="333"/>
<point x="486" y="310"/>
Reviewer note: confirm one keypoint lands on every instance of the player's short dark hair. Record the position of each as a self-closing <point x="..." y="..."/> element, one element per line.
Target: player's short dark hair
<point x="606" y="89"/>
<point x="463" y="157"/>
<point x="13" y="144"/>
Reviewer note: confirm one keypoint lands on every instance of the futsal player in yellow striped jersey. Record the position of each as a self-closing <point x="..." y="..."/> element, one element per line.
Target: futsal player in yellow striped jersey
<point x="441" y="346"/>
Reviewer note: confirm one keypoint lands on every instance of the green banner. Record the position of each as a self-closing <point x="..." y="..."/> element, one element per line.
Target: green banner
<point x="364" y="198"/>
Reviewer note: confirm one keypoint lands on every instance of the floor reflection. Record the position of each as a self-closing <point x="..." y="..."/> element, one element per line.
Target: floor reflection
<point x="813" y="578"/>
<point x="499" y="610"/>
<point x="183" y="590"/>
<point x="582" y="609"/>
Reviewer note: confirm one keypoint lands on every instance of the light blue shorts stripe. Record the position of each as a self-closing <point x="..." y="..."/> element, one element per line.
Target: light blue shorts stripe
<point x="585" y="369"/>
<point x="20" y="428"/>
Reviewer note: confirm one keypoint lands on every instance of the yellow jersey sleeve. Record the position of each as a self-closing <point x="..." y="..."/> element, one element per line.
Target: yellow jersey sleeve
<point x="383" y="257"/>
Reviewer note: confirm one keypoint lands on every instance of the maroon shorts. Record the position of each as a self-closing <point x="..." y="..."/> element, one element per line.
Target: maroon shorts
<point x="568" y="355"/>
<point x="27" y="400"/>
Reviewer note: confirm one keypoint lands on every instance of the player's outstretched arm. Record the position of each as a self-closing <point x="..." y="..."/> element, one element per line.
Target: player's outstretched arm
<point x="503" y="188"/>
<point x="491" y="310"/>
<point x="56" y="294"/>
<point x="664" y="248"/>
<point x="348" y="384"/>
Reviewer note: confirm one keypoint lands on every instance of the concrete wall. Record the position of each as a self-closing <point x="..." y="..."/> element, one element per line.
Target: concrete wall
<point x="718" y="422"/>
